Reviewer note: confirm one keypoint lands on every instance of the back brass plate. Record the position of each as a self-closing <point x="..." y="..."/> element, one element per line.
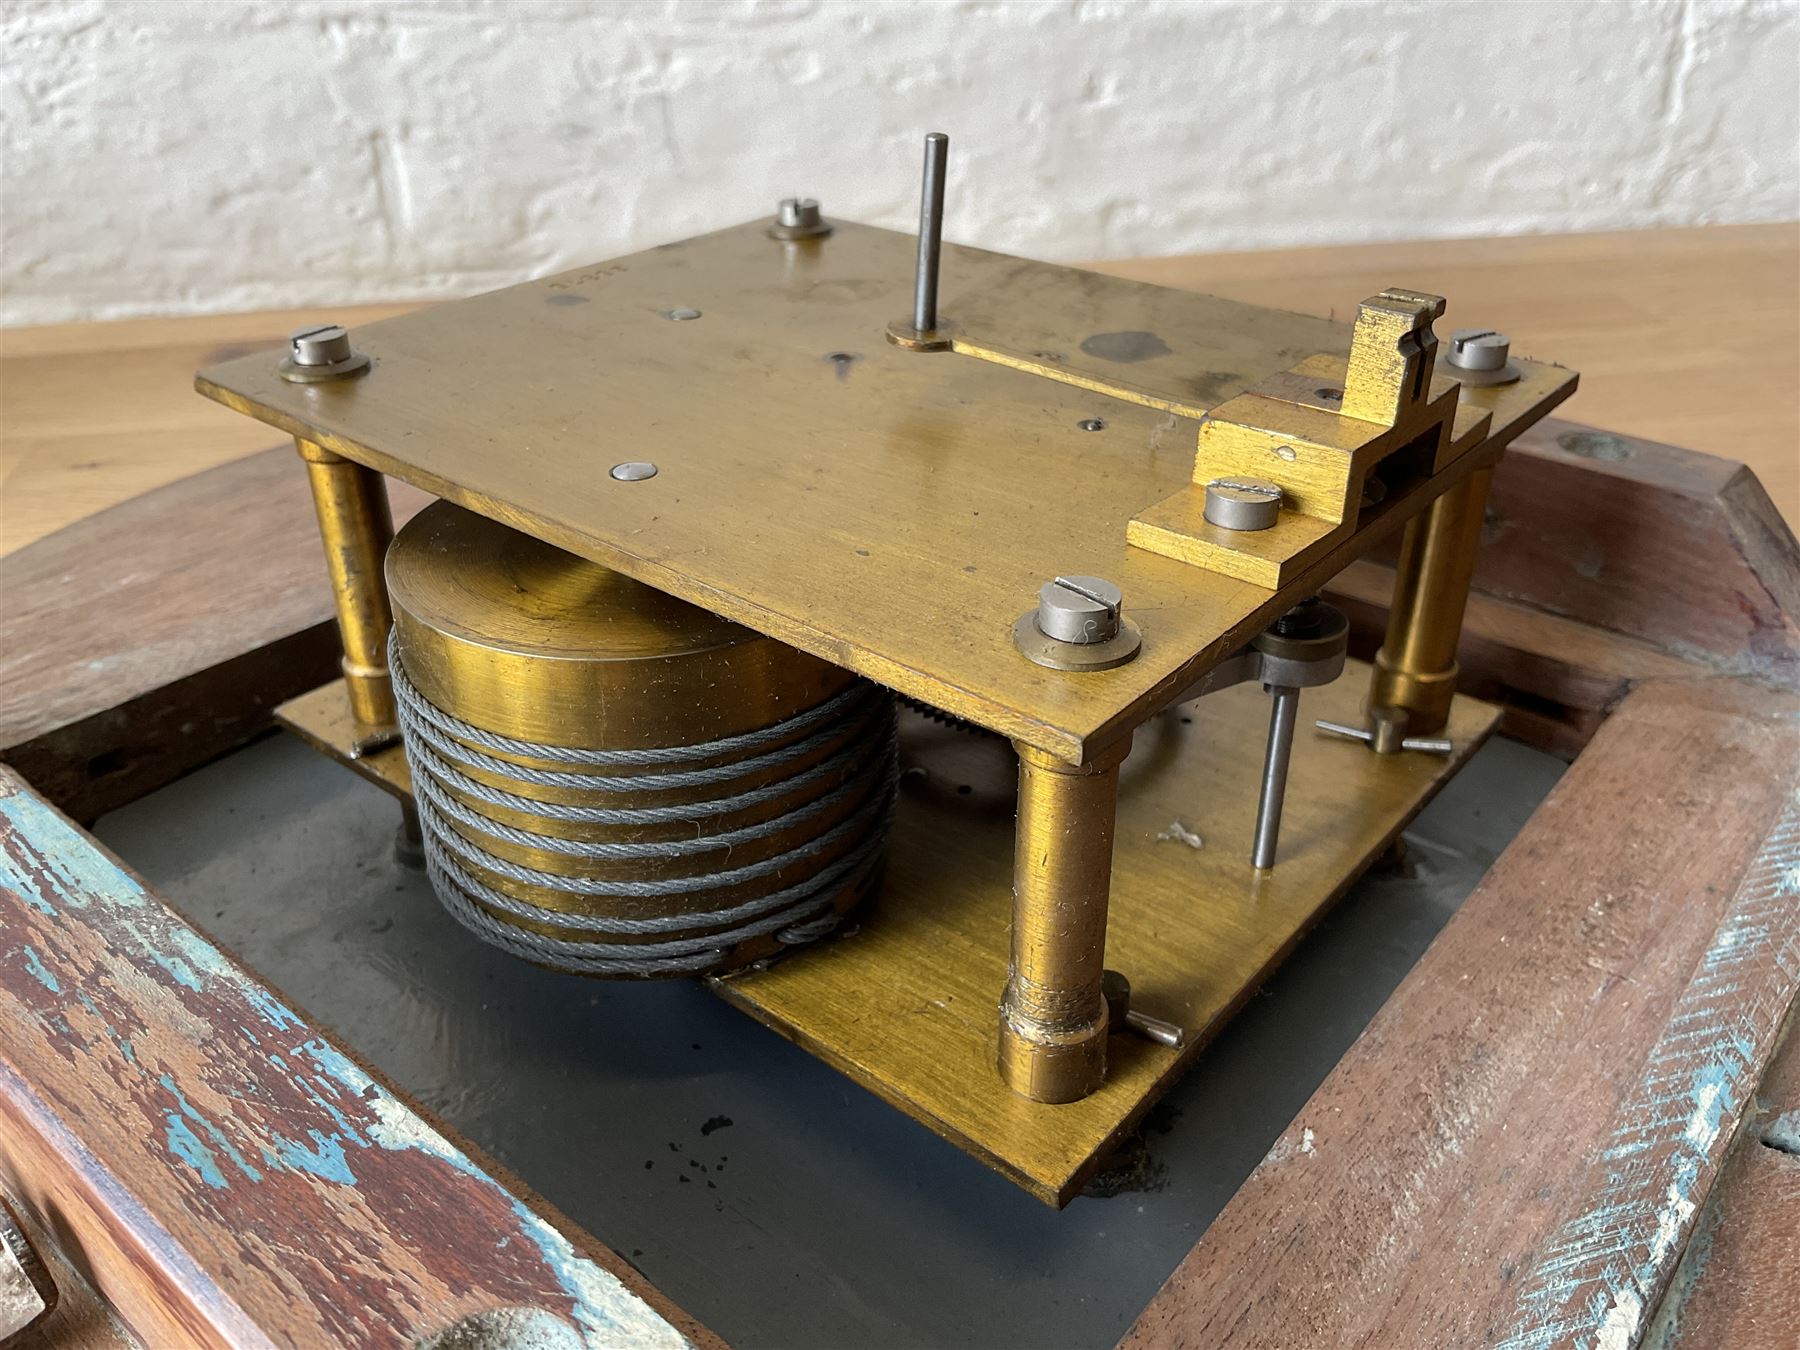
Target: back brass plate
<point x="906" y="1005"/>
<point x="890" y="511"/>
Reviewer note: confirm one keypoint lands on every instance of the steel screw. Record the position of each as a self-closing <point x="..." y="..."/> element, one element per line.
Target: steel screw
<point x="798" y="218"/>
<point x="633" y="471"/>
<point x="1243" y="503"/>
<point x="1479" y="349"/>
<point x="799" y="213"/>
<point x="1079" y="609"/>
<point x="320" y="345"/>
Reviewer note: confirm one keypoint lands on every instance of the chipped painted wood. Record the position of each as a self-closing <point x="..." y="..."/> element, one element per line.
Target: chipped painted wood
<point x="233" y="1176"/>
<point x="1605" y="1270"/>
<point x="1736" y="1283"/>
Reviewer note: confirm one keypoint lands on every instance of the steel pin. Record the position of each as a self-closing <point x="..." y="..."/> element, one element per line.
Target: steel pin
<point x="931" y="232"/>
<point x="1431" y="745"/>
<point x="1282" y="717"/>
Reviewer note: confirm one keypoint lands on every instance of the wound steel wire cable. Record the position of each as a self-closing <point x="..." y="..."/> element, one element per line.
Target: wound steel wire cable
<point x="429" y="732"/>
<point x="867" y="762"/>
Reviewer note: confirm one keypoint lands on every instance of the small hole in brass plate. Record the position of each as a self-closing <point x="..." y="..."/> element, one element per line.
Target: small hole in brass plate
<point x="1329" y="395"/>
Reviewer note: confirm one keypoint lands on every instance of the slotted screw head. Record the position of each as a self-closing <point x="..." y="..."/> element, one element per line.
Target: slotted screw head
<point x="319" y="344"/>
<point x="1479" y="349"/>
<point x="798" y="213"/>
<point x="1243" y="503"/>
<point x="1079" y="609"/>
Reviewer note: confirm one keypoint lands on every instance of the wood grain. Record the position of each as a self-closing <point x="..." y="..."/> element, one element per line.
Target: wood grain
<point x="95" y="414"/>
<point x="1683" y="551"/>
<point x="229" y="1175"/>
<point x="1516" y="1147"/>
<point x="143" y="641"/>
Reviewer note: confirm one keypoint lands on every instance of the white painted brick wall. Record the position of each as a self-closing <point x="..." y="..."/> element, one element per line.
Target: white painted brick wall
<point x="178" y="157"/>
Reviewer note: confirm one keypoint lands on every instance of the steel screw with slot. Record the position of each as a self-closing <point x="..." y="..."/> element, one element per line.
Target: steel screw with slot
<point x="1479" y="356"/>
<point x="1479" y="349"/>
<point x="799" y="218"/>
<point x="319" y="344"/>
<point x="1077" y="625"/>
<point x="320" y="352"/>
<point x="1243" y="503"/>
<point x="1079" y="609"/>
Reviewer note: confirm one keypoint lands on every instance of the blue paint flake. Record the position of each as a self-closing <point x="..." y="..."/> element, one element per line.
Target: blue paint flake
<point x="272" y="1010"/>
<point x="77" y="871"/>
<point x="201" y="954"/>
<point x="182" y="973"/>
<point x="217" y="1135"/>
<point x="35" y="968"/>
<point x="186" y="1145"/>
<point x="325" y="1159"/>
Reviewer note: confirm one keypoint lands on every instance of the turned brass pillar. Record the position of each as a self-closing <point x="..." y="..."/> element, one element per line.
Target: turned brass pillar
<point x="1053" y="1013"/>
<point x="1415" y="671"/>
<point x="356" y="526"/>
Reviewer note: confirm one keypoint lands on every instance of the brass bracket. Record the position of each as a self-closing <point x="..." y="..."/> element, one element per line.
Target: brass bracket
<point x="1337" y="437"/>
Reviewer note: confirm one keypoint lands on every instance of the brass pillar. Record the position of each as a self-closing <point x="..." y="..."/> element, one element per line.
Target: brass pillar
<point x="1415" y="670"/>
<point x="1053" y="1013"/>
<point x="356" y="526"/>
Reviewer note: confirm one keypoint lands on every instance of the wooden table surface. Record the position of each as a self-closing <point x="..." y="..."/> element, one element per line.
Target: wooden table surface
<point x="1686" y="336"/>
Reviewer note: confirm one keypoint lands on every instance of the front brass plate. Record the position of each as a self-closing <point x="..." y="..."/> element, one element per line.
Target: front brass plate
<point x="906" y="1006"/>
<point x="887" y="510"/>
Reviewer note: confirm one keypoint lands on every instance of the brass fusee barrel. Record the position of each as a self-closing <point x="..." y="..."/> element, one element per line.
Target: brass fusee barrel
<point x="614" y="782"/>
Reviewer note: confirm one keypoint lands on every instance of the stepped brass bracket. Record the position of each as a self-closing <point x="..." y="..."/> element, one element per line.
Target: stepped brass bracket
<point x="1337" y="437"/>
